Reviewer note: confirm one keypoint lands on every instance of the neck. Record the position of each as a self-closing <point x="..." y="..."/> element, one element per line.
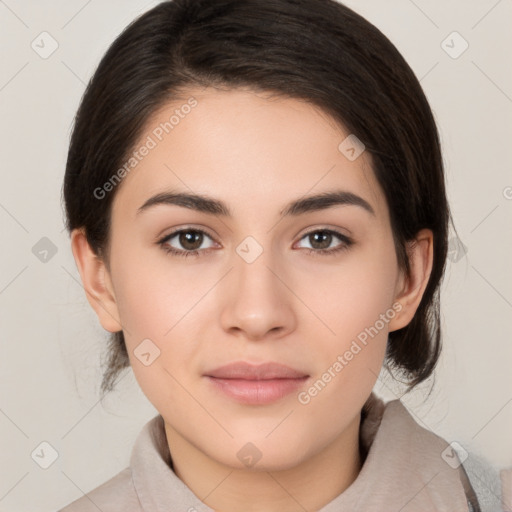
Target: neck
<point x="303" y="487"/>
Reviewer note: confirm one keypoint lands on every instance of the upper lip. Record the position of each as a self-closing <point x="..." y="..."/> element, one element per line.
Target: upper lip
<point x="248" y="371"/>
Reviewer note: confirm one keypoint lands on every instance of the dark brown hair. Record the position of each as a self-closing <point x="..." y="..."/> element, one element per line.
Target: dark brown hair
<point x="319" y="51"/>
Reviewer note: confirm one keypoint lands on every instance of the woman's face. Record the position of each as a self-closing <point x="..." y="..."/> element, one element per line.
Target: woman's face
<point x="255" y="286"/>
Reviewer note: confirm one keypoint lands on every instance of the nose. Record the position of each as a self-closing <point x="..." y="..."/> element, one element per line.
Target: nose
<point x="257" y="302"/>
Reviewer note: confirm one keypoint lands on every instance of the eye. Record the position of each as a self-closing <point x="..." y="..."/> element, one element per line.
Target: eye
<point x="321" y="239"/>
<point x="190" y="239"/>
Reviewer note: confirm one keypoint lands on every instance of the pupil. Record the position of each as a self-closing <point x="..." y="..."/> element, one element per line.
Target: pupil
<point x="322" y="234"/>
<point x="187" y="239"/>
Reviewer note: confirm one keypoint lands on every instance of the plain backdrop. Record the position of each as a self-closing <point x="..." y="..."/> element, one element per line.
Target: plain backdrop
<point x="51" y="341"/>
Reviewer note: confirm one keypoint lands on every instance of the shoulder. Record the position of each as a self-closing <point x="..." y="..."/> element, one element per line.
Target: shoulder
<point x="115" y="495"/>
<point x="471" y="473"/>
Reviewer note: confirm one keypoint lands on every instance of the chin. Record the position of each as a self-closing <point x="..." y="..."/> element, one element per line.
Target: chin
<point x="260" y="455"/>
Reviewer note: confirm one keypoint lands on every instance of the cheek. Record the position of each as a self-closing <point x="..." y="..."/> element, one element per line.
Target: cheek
<point x="355" y="305"/>
<point x="151" y="294"/>
<point x="158" y="308"/>
<point x="158" y="334"/>
<point x="352" y="295"/>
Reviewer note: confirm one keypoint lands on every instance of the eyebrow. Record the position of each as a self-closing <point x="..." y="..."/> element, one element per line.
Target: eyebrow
<point x="205" y="204"/>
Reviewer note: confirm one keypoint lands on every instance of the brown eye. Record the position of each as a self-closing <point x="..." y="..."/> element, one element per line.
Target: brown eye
<point x="189" y="239"/>
<point x="185" y="242"/>
<point x="321" y="239"/>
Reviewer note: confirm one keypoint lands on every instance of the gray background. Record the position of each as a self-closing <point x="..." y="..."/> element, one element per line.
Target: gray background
<point x="51" y="341"/>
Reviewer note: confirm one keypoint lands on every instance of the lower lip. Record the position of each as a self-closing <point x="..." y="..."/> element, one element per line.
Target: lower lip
<point x="257" y="392"/>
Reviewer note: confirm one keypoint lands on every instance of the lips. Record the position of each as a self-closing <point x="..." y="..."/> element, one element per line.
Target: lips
<point x="256" y="384"/>
<point x="247" y="371"/>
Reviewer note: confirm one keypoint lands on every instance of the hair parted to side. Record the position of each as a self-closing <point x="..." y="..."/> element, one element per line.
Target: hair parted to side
<point x="318" y="51"/>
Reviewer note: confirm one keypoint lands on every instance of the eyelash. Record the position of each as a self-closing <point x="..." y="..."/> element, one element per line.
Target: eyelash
<point x="347" y="242"/>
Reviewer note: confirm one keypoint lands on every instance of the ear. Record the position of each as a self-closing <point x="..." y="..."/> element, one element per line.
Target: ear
<point x="96" y="281"/>
<point x="410" y="289"/>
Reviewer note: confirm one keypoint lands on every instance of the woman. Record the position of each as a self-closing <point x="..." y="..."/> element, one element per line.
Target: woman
<point x="215" y="139"/>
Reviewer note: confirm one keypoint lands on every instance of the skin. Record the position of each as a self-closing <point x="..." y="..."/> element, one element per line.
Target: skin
<point x="300" y="309"/>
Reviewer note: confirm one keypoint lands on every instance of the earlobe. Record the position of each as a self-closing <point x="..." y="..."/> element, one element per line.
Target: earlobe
<point x="410" y="288"/>
<point x="96" y="282"/>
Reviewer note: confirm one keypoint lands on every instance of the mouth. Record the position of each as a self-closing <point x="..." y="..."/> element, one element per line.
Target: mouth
<point x="256" y="384"/>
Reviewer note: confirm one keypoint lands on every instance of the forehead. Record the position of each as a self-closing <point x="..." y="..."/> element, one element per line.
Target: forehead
<point x="250" y="149"/>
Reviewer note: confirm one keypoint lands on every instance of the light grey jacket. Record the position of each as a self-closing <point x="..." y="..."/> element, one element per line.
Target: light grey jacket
<point x="407" y="468"/>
